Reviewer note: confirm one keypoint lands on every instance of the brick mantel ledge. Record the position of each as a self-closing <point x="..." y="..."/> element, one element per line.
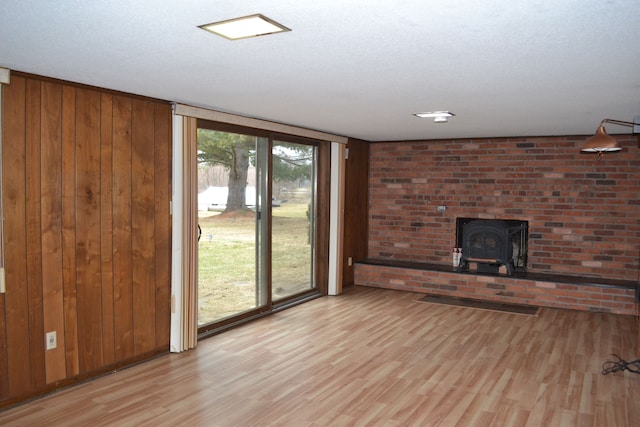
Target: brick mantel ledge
<point x="545" y="290"/>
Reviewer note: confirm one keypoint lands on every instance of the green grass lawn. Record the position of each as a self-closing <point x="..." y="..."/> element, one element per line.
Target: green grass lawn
<point x="226" y="260"/>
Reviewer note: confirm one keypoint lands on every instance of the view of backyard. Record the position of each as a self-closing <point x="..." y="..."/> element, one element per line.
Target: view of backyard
<point x="233" y="170"/>
<point x="226" y="267"/>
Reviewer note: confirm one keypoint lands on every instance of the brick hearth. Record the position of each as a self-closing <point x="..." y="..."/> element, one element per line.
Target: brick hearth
<point x="545" y="290"/>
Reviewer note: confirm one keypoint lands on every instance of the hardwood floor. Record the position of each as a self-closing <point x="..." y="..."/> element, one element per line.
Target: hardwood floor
<point x="372" y="357"/>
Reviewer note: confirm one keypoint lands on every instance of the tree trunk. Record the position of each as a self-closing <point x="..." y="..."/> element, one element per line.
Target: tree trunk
<point x="236" y="198"/>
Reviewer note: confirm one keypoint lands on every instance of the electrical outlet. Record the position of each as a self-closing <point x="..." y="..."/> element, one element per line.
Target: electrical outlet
<point x="350" y="261"/>
<point x="3" y="286"/>
<point x="52" y="340"/>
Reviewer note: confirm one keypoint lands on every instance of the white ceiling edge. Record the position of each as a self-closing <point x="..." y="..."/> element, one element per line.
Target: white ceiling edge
<point x="505" y="68"/>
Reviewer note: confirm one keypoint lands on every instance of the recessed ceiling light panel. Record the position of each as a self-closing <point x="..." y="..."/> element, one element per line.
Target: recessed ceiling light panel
<point x="245" y="27"/>
<point x="434" y="114"/>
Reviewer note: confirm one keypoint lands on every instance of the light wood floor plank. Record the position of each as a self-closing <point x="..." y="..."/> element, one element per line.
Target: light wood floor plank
<point x="372" y="357"/>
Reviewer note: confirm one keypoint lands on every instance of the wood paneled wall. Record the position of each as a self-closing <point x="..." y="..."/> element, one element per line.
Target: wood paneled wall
<point x="87" y="185"/>
<point x="355" y="208"/>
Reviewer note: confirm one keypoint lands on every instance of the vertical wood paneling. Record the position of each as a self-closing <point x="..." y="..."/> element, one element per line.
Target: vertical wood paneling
<point x="162" y="232"/>
<point x="142" y="226"/>
<point x="34" y="233"/>
<point x="4" y="366"/>
<point x="14" y="190"/>
<point x="88" y="229"/>
<point x="70" y="288"/>
<point x="355" y="208"/>
<point x="4" y="369"/>
<point x="122" y="268"/>
<point x="51" y="189"/>
<point x="106" y="225"/>
<point x="87" y="177"/>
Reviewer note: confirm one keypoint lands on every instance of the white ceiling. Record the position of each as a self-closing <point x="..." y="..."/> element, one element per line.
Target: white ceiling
<point x="353" y="68"/>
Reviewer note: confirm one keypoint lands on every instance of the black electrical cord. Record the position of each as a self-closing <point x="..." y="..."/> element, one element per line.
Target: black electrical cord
<point x="620" y="365"/>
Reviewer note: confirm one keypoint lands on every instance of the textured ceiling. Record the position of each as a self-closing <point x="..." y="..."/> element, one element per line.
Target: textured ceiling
<point x="354" y="68"/>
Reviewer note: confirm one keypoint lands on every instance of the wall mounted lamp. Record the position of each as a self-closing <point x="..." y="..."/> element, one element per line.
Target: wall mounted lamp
<point x="601" y="142"/>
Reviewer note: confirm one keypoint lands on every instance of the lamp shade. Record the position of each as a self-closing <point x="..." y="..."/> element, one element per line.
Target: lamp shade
<point x="600" y="142"/>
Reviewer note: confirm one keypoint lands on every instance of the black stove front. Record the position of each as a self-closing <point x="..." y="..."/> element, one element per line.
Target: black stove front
<point x="492" y="243"/>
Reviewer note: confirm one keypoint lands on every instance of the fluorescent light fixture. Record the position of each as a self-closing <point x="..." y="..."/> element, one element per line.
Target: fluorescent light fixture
<point x="245" y="27"/>
<point x="434" y="114"/>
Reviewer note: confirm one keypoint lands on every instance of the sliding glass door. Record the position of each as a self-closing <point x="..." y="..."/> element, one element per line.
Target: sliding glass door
<point x="257" y="223"/>
<point x="229" y="219"/>
<point x="294" y="213"/>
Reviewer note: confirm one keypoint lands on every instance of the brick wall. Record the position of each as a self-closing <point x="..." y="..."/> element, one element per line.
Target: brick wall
<point x="575" y="296"/>
<point x="583" y="213"/>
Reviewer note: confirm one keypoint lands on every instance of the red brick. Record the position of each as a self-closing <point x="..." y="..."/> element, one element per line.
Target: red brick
<point x="529" y="189"/>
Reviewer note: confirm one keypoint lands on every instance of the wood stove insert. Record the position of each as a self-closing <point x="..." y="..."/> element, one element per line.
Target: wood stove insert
<point x="492" y="243"/>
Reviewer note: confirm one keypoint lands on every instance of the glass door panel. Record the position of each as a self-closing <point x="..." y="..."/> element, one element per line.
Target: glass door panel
<point x="229" y="249"/>
<point x="293" y="219"/>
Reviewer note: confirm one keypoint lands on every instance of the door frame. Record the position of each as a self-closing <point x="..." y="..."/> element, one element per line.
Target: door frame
<point x="321" y="231"/>
<point x="328" y="249"/>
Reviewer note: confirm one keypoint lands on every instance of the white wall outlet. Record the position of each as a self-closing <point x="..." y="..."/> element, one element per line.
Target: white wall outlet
<point x="52" y="340"/>
<point x="350" y="261"/>
<point x="3" y="286"/>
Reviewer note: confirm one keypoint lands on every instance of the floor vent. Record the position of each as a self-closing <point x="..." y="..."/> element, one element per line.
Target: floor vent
<point x="484" y="305"/>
